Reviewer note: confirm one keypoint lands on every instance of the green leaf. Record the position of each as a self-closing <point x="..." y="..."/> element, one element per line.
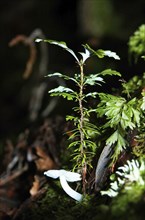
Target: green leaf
<point x="113" y="138"/>
<point x="74" y="144"/>
<point x="67" y="96"/>
<point x="111" y="107"/>
<point x="98" y="53"/>
<point x="101" y="53"/>
<point x="119" y="143"/>
<point x="91" y="145"/>
<point x="118" y="111"/>
<point x="143" y="104"/>
<point x="71" y="118"/>
<point x="85" y="55"/>
<point x="61" y="89"/>
<point x="91" y="94"/>
<point x="93" y="79"/>
<point x="56" y="74"/>
<point x="111" y="54"/>
<point x="110" y="72"/>
<point x="60" y="44"/>
<point x="67" y="93"/>
<point x="136" y="115"/>
<point x="74" y="135"/>
<point x="62" y="76"/>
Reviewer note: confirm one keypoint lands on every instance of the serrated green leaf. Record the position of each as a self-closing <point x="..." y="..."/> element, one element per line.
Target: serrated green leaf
<point x="116" y="137"/>
<point x="62" y="76"/>
<point x="71" y="118"/>
<point x="55" y="74"/>
<point x="110" y="72"/>
<point x="111" y="54"/>
<point x="121" y="143"/>
<point x="118" y="111"/>
<point x="101" y="53"/>
<point x="58" y="75"/>
<point x="67" y="93"/>
<point x="93" y="80"/>
<point x="98" y="53"/>
<point x="60" y="44"/>
<point x="136" y="115"/>
<point x="91" y="94"/>
<point x="61" y="89"/>
<point x="113" y="138"/>
<point x="69" y="97"/>
<point x="64" y="46"/>
<point x="124" y="116"/>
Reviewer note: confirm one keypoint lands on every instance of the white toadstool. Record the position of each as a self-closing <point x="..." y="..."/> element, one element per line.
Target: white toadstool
<point x="65" y="176"/>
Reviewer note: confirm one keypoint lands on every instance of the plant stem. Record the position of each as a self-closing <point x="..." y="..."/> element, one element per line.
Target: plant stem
<point x="84" y="166"/>
<point x="81" y="109"/>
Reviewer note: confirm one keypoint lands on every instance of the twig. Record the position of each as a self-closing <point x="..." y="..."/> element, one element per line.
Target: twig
<point x="13" y="176"/>
<point x="28" y="42"/>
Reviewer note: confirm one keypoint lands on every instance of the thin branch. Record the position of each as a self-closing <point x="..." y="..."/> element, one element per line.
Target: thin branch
<point x="32" y="57"/>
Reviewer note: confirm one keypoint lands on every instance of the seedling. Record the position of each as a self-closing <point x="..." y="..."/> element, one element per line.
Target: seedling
<point x="81" y="139"/>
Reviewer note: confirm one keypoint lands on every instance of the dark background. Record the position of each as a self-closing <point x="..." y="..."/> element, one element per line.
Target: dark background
<point x="105" y="24"/>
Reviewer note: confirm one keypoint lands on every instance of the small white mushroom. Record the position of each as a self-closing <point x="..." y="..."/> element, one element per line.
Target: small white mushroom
<point x="65" y="176"/>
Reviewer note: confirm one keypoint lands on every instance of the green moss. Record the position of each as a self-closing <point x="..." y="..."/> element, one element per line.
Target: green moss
<point x="57" y="205"/>
<point x="125" y="205"/>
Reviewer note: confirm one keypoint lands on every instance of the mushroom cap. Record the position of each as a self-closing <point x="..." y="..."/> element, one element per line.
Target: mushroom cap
<point x="52" y="173"/>
<point x="69" y="176"/>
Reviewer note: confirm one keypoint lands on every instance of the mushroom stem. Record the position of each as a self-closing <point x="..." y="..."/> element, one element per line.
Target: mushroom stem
<point x="72" y="193"/>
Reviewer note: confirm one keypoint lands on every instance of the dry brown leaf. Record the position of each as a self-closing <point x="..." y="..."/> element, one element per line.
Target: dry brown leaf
<point x="36" y="185"/>
<point x="44" y="161"/>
